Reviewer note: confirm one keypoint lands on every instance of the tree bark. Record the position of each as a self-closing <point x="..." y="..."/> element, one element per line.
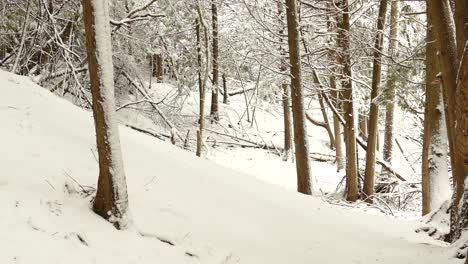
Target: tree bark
<point x="203" y="83"/>
<point x="369" y="175"/>
<point x="303" y="166"/>
<point x="344" y="56"/>
<point x="159" y="67"/>
<point x="337" y="125"/>
<point x="111" y="201"/>
<point x="391" y="83"/>
<point x="335" y="94"/>
<point x="225" y="89"/>
<point x="434" y="153"/>
<point x="363" y="125"/>
<point x="444" y="26"/>
<point x="287" y="151"/>
<point x="214" y="114"/>
<point x="461" y="21"/>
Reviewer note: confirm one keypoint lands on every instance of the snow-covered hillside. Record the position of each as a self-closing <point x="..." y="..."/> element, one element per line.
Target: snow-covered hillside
<point x="185" y="209"/>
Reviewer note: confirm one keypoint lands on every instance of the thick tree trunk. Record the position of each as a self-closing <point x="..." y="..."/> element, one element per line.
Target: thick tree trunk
<point x="287" y="152"/>
<point x="444" y="26"/>
<point x="111" y="201"/>
<point x="461" y="138"/>
<point x="391" y="82"/>
<point x="214" y="114"/>
<point x="303" y="166"/>
<point x="369" y="175"/>
<point x="435" y="181"/>
<point x="347" y="86"/>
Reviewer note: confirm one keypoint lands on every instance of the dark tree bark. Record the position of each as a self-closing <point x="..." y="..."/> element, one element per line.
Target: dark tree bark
<point x="214" y="91"/>
<point x="303" y="166"/>
<point x="344" y="56"/>
<point x="111" y="201"/>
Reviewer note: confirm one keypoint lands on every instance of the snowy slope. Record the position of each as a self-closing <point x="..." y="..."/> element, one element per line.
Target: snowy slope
<point x="210" y="213"/>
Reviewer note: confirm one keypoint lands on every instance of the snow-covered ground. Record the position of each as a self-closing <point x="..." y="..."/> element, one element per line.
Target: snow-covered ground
<point x="208" y="212"/>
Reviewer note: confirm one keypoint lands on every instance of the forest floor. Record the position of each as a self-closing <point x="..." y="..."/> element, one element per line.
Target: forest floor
<point x="185" y="209"/>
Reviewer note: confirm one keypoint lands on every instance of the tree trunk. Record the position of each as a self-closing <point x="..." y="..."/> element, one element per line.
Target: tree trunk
<point x="335" y="94"/>
<point x="444" y="27"/>
<point x="325" y="120"/>
<point x="303" y="166"/>
<point x="391" y="82"/>
<point x="226" y="94"/>
<point x="203" y="83"/>
<point x="461" y="130"/>
<point x="363" y="125"/>
<point x="337" y="125"/>
<point x="374" y="107"/>
<point x="461" y="21"/>
<point x="347" y="86"/>
<point x="432" y="125"/>
<point x="111" y="201"/>
<point x="159" y="67"/>
<point x="214" y="114"/>
<point x="287" y="152"/>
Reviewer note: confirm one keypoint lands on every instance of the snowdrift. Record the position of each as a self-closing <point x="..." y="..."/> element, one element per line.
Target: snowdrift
<point x="185" y="210"/>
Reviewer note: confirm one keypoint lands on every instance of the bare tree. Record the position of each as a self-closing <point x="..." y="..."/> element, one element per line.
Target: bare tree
<point x="111" y="201"/>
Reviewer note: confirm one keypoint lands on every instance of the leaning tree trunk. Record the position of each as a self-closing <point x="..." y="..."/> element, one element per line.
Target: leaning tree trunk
<point x="391" y="83"/>
<point x="344" y="57"/>
<point x="435" y="181"/>
<point x="111" y="201"/>
<point x="287" y="152"/>
<point x="303" y="168"/>
<point x="215" y="89"/>
<point x="374" y="107"/>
